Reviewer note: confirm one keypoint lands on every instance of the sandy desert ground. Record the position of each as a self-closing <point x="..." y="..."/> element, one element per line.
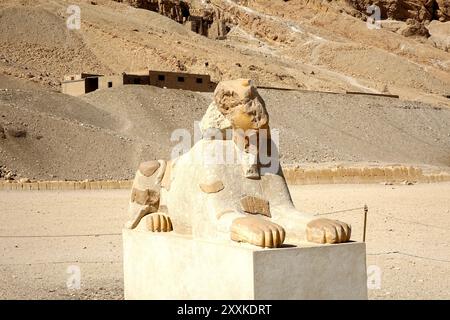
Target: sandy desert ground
<point x="44" y="233"/>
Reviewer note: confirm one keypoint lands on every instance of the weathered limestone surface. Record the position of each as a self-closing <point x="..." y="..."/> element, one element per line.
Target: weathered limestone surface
<point x="171" y="266"/>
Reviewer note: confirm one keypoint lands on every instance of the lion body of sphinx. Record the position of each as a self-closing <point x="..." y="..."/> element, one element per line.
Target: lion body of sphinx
<point x="202" y="189"/>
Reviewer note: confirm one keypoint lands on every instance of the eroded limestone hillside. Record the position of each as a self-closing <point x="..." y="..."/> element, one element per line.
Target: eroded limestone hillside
<point x="311" y="45"/>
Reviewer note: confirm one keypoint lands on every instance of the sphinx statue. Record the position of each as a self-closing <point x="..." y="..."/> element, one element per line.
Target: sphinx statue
<point x="224" y="187"/>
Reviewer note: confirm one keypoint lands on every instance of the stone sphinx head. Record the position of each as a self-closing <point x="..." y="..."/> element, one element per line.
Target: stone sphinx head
<point x="239" y="113"/>
<point x="240" y="102"/>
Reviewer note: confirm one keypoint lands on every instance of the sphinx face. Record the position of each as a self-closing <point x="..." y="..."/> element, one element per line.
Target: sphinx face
<point x="240" y="103"/>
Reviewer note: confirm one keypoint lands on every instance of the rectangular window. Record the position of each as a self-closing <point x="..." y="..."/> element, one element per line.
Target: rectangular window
<point x="199" y="80"/>
<point x="109" y="84"/>
<point x="180" y="79"/>
<point x="161" y="77"/>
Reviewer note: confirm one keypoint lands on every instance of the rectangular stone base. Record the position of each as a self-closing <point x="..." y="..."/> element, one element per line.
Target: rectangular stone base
<point x="170" y="266"/>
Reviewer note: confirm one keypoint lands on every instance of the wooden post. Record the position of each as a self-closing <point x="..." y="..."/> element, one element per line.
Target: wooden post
<point x="366" y="209"/>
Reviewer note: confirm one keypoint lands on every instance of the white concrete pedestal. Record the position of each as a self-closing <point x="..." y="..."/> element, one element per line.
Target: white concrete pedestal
<point x="170" y="266"/>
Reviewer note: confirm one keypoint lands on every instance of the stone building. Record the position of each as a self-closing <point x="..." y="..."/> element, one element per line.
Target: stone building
<point x="181" y="80"/>
<point x="77" y="85"/>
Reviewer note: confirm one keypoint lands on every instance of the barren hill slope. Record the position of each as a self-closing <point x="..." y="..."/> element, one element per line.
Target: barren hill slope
<point x="313" y="127"/>
<point x="301" y="44"/>
<point x="105" y="134"/>
<point x="58" y="144"/>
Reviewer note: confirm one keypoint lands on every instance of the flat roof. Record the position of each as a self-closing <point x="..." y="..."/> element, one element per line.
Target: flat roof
<point x="72" y="81"/>
<point x="181" y="73"/>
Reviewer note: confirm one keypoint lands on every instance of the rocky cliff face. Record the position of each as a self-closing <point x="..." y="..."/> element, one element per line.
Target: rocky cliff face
<point x="177" y="10"/>
<point x="419" y="10"/>
<point x="199" y="16"/>
<point x="211" y="17"/>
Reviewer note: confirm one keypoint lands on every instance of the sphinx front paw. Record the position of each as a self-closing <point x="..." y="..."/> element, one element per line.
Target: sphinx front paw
<point x="158" y="222"/>
<point x="328" y="231"/>
<point x="257" y="231"/>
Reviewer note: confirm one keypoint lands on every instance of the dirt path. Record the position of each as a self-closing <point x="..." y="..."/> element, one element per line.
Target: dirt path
<point x="44" y="233"/>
